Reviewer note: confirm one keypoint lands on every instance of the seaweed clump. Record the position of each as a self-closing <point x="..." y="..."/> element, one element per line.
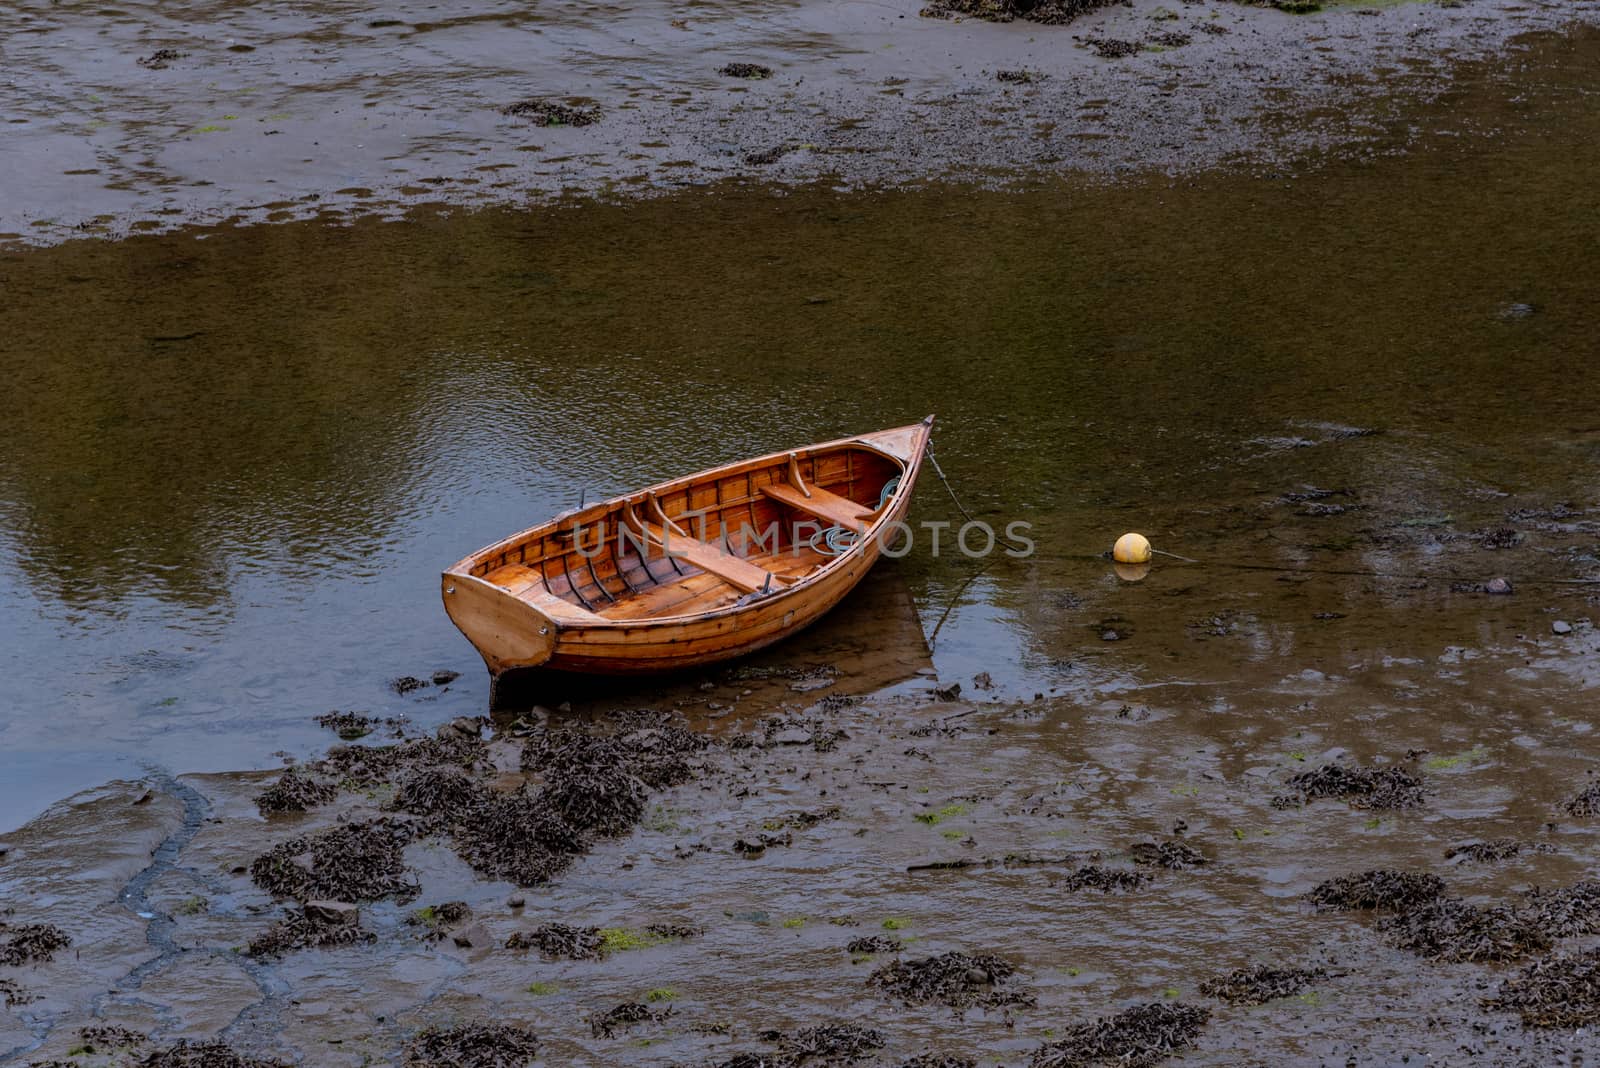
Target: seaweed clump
<point x="213" y="1054"/>
<point x="1557" y="991"/>
<point x="832" y="1043"/>
<point x="1366" y="788"/>
<point x="1260" y="984"/>
<point x="317" y="925"/>
<point x="956" y="979"/>
<point x="1107" y="880"/>
<point x="352" y="862"/>
<point x="1175" y="855"/>
<point x="101" y="1038"/>
<point x="1494" y="849"/>
<point x="1112" y="48"/>
<point x="875" y="944"/>
<point x="24" y="943"/>
<point x="559" y="940"/>
<point x="1586" y="803"/>
<point x="1135" y="1038"/>
<point x="1450" y="929"/>
<point x="478" y="1045"/>
<point x="348" y="725"/>
<point x="631" y="1012"/>
<point x="1571" y="910"/>
<point x="294" y="791"/>
<point x="1379" y="888"/>
<point x="1427" y="922"/>
<point x="745" y="70"/>
<point x="550" y="113"/>
<point x="1047" y="12"/>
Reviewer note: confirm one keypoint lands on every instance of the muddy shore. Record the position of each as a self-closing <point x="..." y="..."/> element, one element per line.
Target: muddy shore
<point x="794" y="880"/>
<point x="142" y="118"/>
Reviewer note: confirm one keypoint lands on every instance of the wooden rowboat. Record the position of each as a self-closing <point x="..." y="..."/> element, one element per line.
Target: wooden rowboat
<point x="692" y="571"/>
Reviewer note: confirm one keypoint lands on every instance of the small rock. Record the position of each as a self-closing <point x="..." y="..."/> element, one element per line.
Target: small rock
<point x="1561" y="626"/>
<point x="792" y="736"/>
<point x="441" y="678"/>
<point x="516" y="901"/>
<point x="472" y="936"/>
<point x="1498" y="586"/>
<point x="1110" y="636"/>
<point x="333" y="913"/>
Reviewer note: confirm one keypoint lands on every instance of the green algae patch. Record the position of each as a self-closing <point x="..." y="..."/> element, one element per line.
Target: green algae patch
<point x="542" y="989"/>
<point x="623" y="939"/>
<point x="939" y="815"/>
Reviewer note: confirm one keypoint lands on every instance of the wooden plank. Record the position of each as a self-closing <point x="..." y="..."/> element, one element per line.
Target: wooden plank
<point x="825" y="505"/>
<point x="733" y="570"/>
<point x="668" y="599"/>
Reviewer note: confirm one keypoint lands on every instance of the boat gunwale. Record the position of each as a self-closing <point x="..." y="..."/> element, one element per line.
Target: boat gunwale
<point x="908" y="473"/>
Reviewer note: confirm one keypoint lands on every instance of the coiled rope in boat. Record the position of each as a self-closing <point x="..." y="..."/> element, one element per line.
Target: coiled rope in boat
<point x="831" y="541"/>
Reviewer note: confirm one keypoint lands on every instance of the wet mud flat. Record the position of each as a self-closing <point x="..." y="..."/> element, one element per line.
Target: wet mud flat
<point x="143" y="117"/>
<point x="913" y="880"/>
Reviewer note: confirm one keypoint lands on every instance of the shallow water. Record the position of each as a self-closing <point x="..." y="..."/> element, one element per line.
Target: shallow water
<point x="237" y="459"/>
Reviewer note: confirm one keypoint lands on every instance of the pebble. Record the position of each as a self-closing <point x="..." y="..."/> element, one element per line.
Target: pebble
<point x="1499" y="586"/>
<point x="516" y="901"/>
<point x="1561" y="626"/>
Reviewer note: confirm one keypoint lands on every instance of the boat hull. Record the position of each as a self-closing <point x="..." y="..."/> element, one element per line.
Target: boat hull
<point x="515" y="635"/>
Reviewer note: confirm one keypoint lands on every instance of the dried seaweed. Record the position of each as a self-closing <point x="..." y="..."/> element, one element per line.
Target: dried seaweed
<point x="294" y="791"/>
<point x="352" y="862"/>
<point x="1135" y="1038"/>
<point x="443" y="793"/>
<point x="1094" y="877"/>
<point x="13" y="994"/>
<point x="314" y="926"/>
<point x="550" y="113"/>
<point x="212" y="1054"/>
<point x="1587" y="803"/>
<point x="481" y="1045"/>
<point x="745" y="70"/>
<point x="875" y="944"/>
<point x="1387" y="787"/>
<point x="521" y="837"/>
<point x="832" y="1043"/>
<point x="1494" y="849"/>
<point x="1169" y="854"/>
<point x="956" y="979"/>
<point x="1572" y="910"/>
<point x="25" y="943"/>
<point x="101" y="1038"/>
<point x="348" y="725"/>
<point x="558" y="940"/>
<point x="1557" y="991"/>
<point x="1260" y="984"/>
<point x="1048" y="12"/>
<point x="631" y="1012"/>
<point x="1449" y="929"/>
<point x="1379" y="888"/>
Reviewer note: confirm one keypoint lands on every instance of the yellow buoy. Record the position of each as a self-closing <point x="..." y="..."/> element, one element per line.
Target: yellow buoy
<point x="1131" y="548"/>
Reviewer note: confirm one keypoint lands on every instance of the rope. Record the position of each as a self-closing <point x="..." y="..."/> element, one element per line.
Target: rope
<point x="1343" y="572"/>
<point x="940" y="471"/>
<point x="836" y="539"/>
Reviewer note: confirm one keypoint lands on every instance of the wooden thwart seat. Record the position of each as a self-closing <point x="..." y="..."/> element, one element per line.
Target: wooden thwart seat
<point x="823" y="504"/>
<point x="734" y="570"/>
